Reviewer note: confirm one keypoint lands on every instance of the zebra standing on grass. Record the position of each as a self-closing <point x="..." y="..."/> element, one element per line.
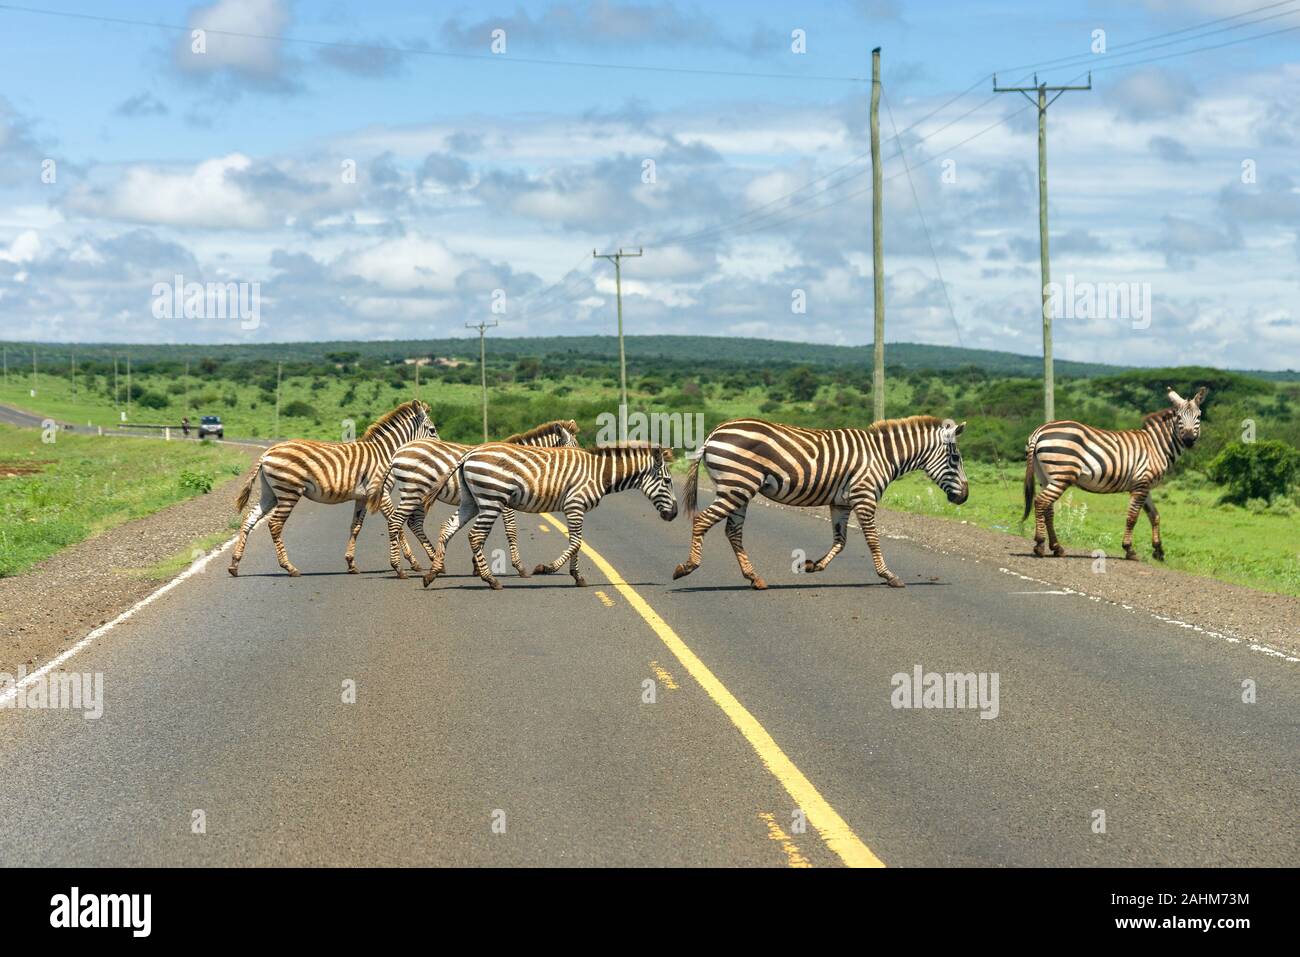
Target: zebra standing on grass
<point x="405" y="491"/>
<point x="497" y="476"/>
<point x="844" y="469"/>
<point x="1064" y="453"/>
<point x="328" y="472"/>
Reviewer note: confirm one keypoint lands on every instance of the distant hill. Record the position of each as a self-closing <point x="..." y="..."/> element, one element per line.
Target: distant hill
<point x="906" y="355"/>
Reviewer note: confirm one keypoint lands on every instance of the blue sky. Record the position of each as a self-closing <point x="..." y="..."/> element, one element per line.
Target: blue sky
<point x="482" y="177"/>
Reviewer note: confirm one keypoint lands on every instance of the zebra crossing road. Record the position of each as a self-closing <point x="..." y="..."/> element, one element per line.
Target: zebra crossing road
<point x="515" y="727"/>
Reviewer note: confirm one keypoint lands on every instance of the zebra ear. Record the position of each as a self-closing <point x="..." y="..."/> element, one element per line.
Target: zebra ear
<point x="1199" y="398"/>
<point x="666" y="454"/>
<point x="1177" y="400"/>
<point x="961" y="427"/>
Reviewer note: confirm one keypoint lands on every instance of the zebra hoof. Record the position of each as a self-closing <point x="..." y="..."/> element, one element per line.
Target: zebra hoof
<point x="234" y="571"/>
<point x="1158" y="554"/>
<point x="1039" y="552"/>
<point x="895" y="582"/>
<point x="681" y="571"/>
<point x="1130" y="555"/>
<point x="809" y="567"/>
<point x="521" y="571"/>
<point x="428" y="579"/>
<point x="494" y="584"/>
<point x="542" y="570"/>
<point x="399" y="572"/>
<point x="580" y="581"/>
<point x="293" y="572"/>
<point x="1058" y="551"/>
<point x="758" y="584"/>
<point x="353" y="570"/>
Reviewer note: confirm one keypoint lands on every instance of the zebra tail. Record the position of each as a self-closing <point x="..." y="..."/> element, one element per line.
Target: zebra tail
<point x="375" y="490"/>
<point x="692" y="487"/>
<point x="1029" y="481"/>
<point x="245" y="493"/>
<point x="437" y="489"/>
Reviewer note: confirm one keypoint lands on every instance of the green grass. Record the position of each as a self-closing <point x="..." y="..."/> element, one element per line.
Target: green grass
<point x="173" y="565"/>
<point x="1259" y="549"/>
<point x="88" y="484"/>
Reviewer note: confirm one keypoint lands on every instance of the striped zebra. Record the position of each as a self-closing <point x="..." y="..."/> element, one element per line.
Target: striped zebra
<point x="404" y="492"/>
<point x="328" y="472"/>
<point x="497" y="476"/>
<point x="846" y="470"/>
<point x="1061" y="454"/>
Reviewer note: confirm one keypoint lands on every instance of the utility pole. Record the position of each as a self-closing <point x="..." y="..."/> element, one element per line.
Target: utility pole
<point x="128" y="386"/>
<point x="482" y="327"/>
<point x="33" y="370"/>
<point x="616" y="259"/>
<point x="417" y="377"/>
<point x="877" y="253"/>
<point x="1044" y="266"/>
<point x="74" y="375"/>
<point x="6" y="354"/>
<point x="116" y="403"/>
<point x="275" y="432"/>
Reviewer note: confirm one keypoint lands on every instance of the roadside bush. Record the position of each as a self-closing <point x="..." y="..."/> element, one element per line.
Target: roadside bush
<point x="153" y="400"/>
<point x="1259" y="470"/>
<point x="200" y="482"/>
<point x="298" y="409"/>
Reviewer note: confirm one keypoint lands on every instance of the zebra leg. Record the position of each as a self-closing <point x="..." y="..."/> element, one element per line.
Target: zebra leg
<point x="574" y="514"/>
<point x="723" y="505"/>
<point x="1043" y="503"/>
<point x="1049" y="520"/>
<point x="1157" y="550"/>
<point x="866" y="515"/>
<point x="467" y="511"/>
<point x="396" y="516"/>
<point x="259" y="511"/>
<point x="512" y="536"/>
<point x="1136" y="502"/>
<point x="275" y="521"/>
<point x="840" y="529"/>
<point x="415" y="522"/>
<point x="358" y="519"/>
<point x="736" y="536"/>
<point x="478" y="533"/>
<point x="449" y="528"/>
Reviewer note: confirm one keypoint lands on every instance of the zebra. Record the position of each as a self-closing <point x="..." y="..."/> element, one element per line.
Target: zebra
<point x="496" y="476"/>
<point x="844" y="469"/>
<point x="403" y="492"/>
<point x="1064" y="453"/>
<point x="329" y="472"/>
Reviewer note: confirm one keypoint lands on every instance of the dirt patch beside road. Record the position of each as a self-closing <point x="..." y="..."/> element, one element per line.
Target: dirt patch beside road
<point x="60" y="600"/>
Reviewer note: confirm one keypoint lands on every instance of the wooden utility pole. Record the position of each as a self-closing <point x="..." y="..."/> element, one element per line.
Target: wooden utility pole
<point x="116" y="402"/>
<point x="74" y="375"/>
<point x="6" y="353"/>
<point x="616" y="259"/>
<point x="1041" y="101"/>
<point x="482" y="328"/>
<point x="33" y="370"/>
<point x="128" y="385"/>
<point x="877" y="253"/>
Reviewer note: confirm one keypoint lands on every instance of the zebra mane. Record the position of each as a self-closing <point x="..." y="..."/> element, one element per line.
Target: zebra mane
<point x="1163" y="415"/>
<point x="408" y="408"/>
<point x="634" y="445"/>
<point x="546" y="427"/>
<point x="895" y="426"/>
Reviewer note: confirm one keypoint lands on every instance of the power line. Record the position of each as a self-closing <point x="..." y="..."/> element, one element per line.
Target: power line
<point x="444" y="54"/>
<point x="1084" y="57"/>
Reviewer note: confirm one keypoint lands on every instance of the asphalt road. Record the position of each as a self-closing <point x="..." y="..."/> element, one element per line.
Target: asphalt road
<point x="526" y="708"/>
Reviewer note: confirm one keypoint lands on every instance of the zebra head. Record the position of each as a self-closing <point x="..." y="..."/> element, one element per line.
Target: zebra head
<point x="568" y="437"/>
<point x="943" y="462"/>
<point x="657" y="484"/>
<point x="1187" y="415"/>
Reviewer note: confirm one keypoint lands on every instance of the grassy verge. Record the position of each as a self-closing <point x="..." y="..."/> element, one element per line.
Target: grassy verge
<point x="1259" y="549"/>
<point x="79" y="486"/>
<point x="173" y="565"/>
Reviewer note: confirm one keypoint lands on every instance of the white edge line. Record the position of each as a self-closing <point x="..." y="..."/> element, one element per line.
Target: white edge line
<point x="195" y="567"/>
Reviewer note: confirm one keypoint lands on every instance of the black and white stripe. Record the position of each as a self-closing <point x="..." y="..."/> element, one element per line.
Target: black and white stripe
<point x="1062" y="454"/>
<point x="846" y="470"/>
<point x="498" y="476"/>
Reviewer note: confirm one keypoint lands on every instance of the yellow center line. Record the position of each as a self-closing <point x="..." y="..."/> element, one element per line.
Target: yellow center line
<point x="775" y="832"/>
<point x="834" y="830"/>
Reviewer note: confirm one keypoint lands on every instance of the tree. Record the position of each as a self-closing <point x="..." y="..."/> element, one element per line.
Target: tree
<point x="802" y="384"/>
<point x="1255" y="470"/>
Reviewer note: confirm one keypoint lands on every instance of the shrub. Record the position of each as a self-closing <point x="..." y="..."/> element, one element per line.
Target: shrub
<point x="1259" y="470"/>
<point x="200" y="482"/>
<point x="153" y="400"/>
<point x="298" y="409"/>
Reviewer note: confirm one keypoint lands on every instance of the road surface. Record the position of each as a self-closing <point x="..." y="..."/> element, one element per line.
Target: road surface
<point x="512" y="728"/>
